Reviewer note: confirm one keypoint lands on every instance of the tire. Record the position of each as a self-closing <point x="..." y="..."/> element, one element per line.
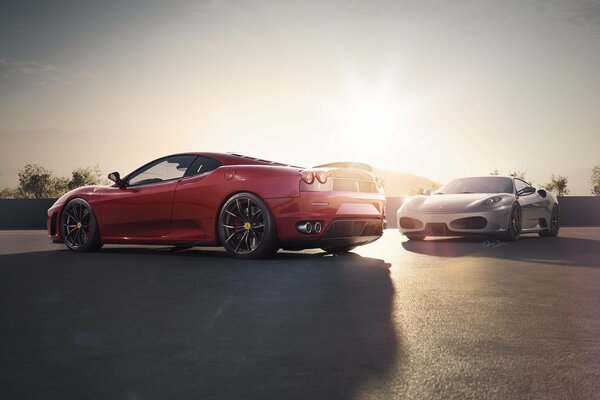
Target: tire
<point x="338" y="250"/>
<point x="415" y="237"/>
<point x="79" y="228"/>
<point x="246" y="227"/>
<point x="515" y="221"/>
<point x="554" y="224"/>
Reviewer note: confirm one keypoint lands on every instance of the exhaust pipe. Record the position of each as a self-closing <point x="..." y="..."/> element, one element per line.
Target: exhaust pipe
<point x="305" y="227"/>
<point x="318" y="227"/>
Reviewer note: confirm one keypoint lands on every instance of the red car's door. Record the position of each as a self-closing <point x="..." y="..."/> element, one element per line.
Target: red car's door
<point x="136" y="212"/>
<point x="197" y="199"/>
<point x="142" y="208"/>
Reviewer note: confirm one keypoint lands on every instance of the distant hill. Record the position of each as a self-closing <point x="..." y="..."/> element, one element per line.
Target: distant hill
<point x="402" y="184"/>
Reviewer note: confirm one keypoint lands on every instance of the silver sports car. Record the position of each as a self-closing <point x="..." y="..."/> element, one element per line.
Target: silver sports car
<point x="489" y="205"/>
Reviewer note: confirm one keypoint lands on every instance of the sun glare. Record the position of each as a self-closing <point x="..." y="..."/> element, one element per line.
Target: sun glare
<point x="369" y="125"/>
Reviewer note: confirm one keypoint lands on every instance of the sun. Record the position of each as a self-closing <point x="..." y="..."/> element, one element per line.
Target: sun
<point x="368" y="125"/>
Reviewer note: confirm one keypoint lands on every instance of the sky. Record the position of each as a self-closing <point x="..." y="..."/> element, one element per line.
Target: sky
<point x="441" y="89"/>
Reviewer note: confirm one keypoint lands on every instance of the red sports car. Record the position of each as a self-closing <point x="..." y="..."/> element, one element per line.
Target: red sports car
<point x="252" y="207"/>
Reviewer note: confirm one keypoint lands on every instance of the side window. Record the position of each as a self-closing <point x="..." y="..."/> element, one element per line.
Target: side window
<point x="202" y="165"/>
<point x="161" y="170"/>
<point x="520" y="185"/>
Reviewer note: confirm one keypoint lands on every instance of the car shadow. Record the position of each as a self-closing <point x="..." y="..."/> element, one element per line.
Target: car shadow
<point x="559" y="250"/>
<point x="151" y="323"/>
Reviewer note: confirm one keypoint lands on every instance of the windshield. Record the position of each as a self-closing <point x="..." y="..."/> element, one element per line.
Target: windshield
<point x="488" y="184"/>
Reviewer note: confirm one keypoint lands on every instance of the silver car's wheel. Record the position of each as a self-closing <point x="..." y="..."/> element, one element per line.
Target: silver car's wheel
<point x="554" y="225"/>
<point x="246" y="227"/>
<point x="79" y="228"/>
<point x="514" y="223"/>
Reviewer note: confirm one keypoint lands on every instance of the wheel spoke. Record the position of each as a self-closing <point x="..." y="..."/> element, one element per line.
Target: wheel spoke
<point x="255" y="240"/>
<point x="70" y="232"/>
<point x="232" y="214"/>
<point x="238" y="228"/>
<point x="69" y="215"/>
<point x="247" y="245"/>
<point x="241" y="215"/>
<point x="241" y="240"/>
<point x="230" y="236"/>
<point x="82" y="237"/>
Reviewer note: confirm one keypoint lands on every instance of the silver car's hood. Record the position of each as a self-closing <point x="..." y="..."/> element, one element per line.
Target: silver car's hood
<point x="452" y="202"/>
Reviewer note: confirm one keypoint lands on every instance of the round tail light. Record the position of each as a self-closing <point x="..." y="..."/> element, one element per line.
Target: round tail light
<point x="307" y="176"/>
<point x="321" y="176"/>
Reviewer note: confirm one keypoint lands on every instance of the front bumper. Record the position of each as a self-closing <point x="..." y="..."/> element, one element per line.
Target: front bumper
<point x="53" y="223"/>
<point x="455" y="223"/>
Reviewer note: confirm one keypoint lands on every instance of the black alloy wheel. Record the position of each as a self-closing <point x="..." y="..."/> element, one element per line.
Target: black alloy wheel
<point x="79" y="228"/>
<point x="246" y="228"/>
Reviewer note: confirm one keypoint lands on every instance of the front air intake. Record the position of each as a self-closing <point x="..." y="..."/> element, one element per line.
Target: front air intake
<point x="469" y="223"/>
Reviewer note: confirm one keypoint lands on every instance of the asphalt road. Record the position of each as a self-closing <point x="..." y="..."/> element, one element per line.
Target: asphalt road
<point x="444" y="318"/>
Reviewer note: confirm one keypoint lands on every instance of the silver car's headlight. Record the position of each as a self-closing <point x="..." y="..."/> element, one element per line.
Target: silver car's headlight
<point x="490" y="201"/>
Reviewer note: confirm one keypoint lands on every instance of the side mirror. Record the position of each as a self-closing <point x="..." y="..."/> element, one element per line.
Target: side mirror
<point x="116" y="178"/>
<point x="526" y="191"/>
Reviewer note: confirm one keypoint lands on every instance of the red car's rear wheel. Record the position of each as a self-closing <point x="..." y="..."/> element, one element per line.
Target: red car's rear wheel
<point x="246" y="227"/>
<point x="79" y="228"/>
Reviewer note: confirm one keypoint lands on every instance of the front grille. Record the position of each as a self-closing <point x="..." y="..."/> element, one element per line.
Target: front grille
<point x="469" y="223"/>
<point x="354" y="228"/>
<point x="436" y="229"/>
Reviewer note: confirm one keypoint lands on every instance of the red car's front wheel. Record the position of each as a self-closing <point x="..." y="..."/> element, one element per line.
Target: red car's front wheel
<point x="79" y="228"/>
<point x="246" y="227"/>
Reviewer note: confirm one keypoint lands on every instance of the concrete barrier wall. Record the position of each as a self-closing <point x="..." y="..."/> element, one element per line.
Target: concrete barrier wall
<point x="579" y="210"/>
<point x="31" y="213"/>
<point x="24" y="214"/>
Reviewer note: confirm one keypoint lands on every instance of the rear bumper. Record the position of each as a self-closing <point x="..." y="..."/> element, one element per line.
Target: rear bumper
<point x="346" y="218"/>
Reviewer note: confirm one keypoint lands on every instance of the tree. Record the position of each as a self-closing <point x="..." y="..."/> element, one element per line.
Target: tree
<point x="518" y="174"/>
<point x="557" y="185"/>
<point x="35" y="181"/>
<point x="596" y="180"/>
<point x="58" y="187"/>
<point x="85" y="176"/>
<point x="11" y="193"/>
<point x="514" y="174"/>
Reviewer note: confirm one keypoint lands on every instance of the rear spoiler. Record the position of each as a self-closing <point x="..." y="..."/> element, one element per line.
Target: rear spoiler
<point x="346" y="164"/>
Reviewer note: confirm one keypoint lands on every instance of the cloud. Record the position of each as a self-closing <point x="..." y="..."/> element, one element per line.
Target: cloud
<point x="585" y="12"/>
<point x="28" y="70"/>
